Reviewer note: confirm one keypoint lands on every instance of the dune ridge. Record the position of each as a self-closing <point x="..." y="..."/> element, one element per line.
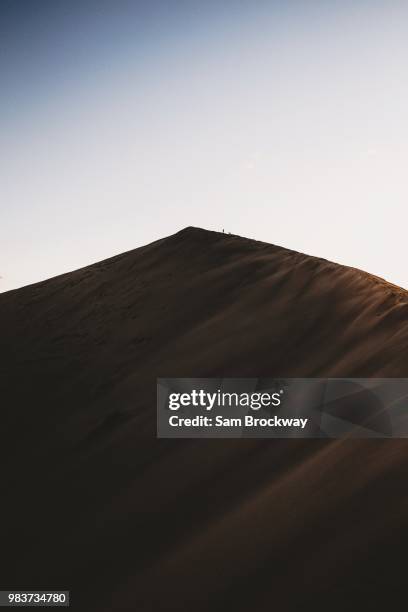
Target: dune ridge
<point x="92" y="501"/>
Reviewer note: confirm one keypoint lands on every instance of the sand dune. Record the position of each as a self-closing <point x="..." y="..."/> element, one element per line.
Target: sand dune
<point x="93" y="502"/>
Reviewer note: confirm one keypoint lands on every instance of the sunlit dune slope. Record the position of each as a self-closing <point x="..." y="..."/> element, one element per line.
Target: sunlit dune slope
<point x="93" y="502"/>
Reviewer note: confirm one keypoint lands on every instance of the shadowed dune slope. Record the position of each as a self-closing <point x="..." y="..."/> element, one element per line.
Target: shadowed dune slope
<point x="93" y="502"/>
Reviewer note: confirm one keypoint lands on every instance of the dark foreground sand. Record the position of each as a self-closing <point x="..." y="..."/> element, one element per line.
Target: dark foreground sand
<point x="91" y="501"/>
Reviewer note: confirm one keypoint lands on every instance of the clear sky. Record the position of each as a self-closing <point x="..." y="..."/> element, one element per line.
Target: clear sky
<point x="123" y="121"/>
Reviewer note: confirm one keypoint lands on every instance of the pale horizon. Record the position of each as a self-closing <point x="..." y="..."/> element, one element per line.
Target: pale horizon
<point x="124" y="123"/>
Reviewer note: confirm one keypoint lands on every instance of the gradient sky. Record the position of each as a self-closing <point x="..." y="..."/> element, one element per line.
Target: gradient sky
<point x="122" y="122"/>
